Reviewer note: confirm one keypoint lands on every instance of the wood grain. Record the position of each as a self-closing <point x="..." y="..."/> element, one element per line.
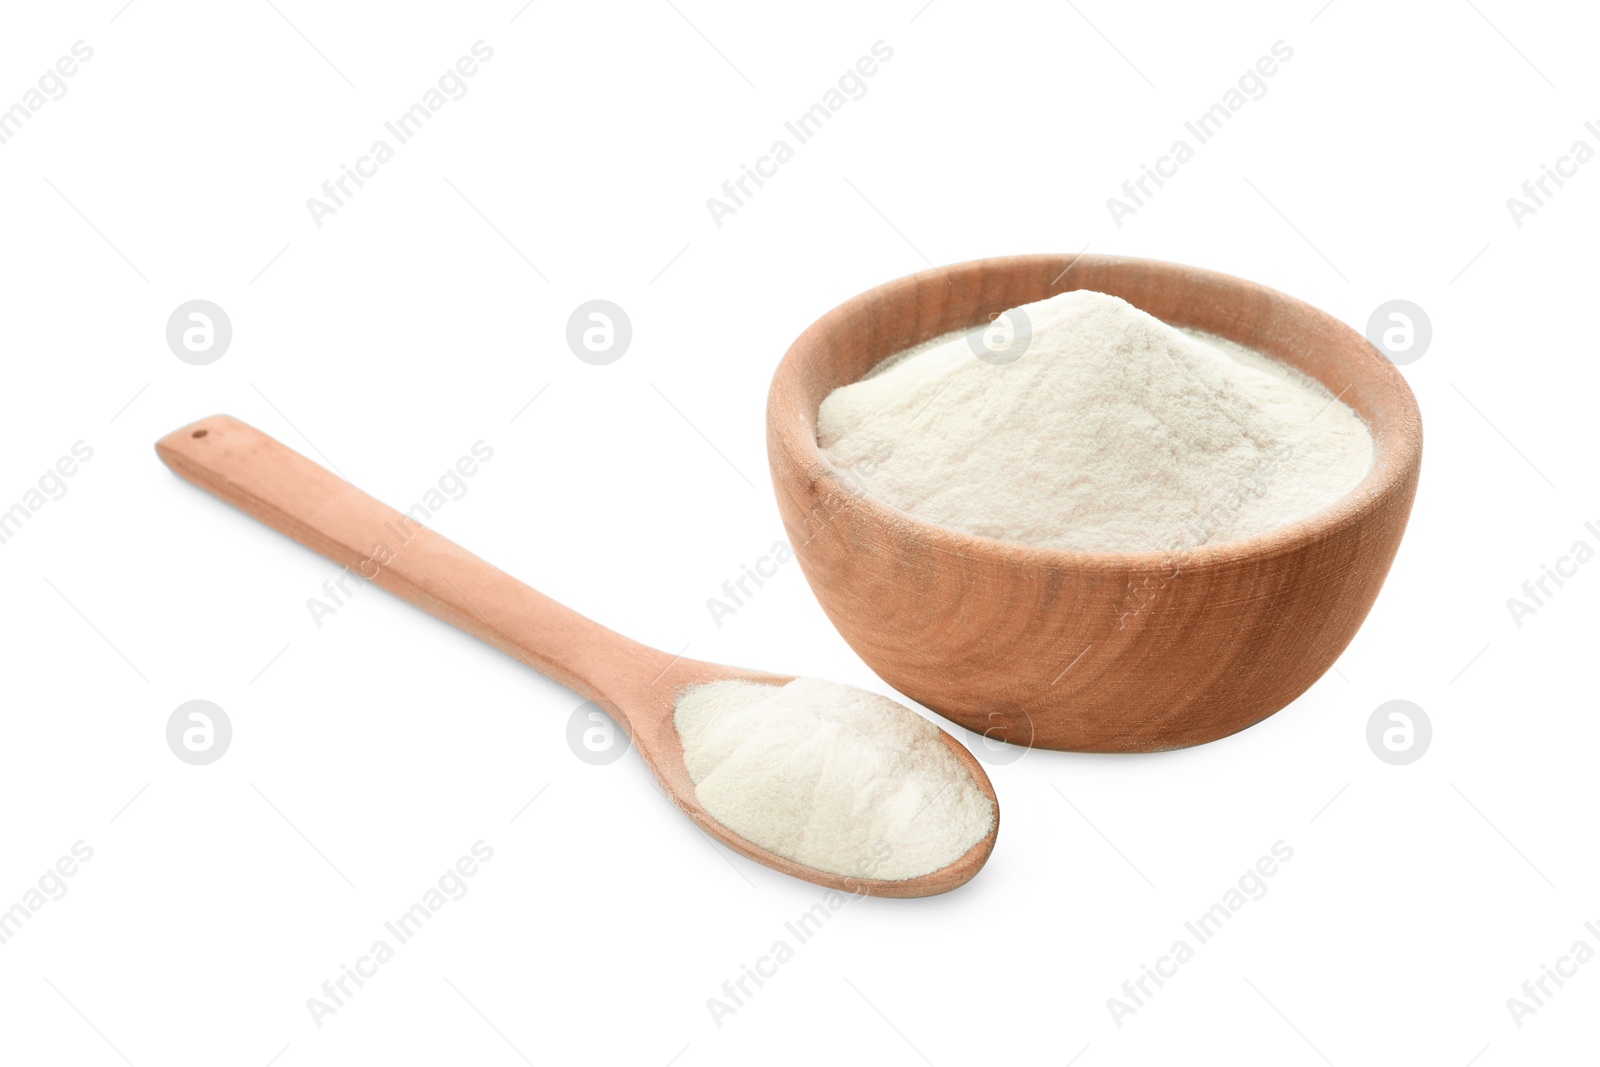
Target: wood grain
<point x="635" y="684"/>
<point x="1038" y="646"/>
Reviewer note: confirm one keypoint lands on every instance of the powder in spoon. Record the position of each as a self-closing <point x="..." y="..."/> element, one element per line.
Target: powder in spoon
<point x="831" y="776"/>
<point x="1112" y="431"/>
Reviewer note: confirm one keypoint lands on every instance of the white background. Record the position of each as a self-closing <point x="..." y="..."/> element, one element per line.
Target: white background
<point x="369" y="753"/>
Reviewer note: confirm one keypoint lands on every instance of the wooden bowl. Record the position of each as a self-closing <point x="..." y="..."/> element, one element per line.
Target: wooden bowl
<point x="1036" y="646"/>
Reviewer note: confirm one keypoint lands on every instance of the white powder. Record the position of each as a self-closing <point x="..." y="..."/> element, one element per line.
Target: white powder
<point x="1112" y="432"/>
<point x="831" y="776"/>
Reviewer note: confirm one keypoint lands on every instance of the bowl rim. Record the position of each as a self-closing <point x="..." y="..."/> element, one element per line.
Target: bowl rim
<point x="1396" y="457"/>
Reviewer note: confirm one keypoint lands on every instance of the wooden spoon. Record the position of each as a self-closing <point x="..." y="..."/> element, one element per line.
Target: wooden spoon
<point x="635" y="684"/>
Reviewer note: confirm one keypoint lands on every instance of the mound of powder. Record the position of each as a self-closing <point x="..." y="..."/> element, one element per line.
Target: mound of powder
<point x="1112" y="431"/>
<point x="831" y="776"/>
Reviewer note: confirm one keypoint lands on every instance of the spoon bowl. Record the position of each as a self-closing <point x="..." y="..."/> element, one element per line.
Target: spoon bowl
<point x="635" y="684"/>
<point x="1041" y="646"/>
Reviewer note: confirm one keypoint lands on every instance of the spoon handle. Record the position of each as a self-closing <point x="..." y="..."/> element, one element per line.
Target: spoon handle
<point x="376" y="543"/>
